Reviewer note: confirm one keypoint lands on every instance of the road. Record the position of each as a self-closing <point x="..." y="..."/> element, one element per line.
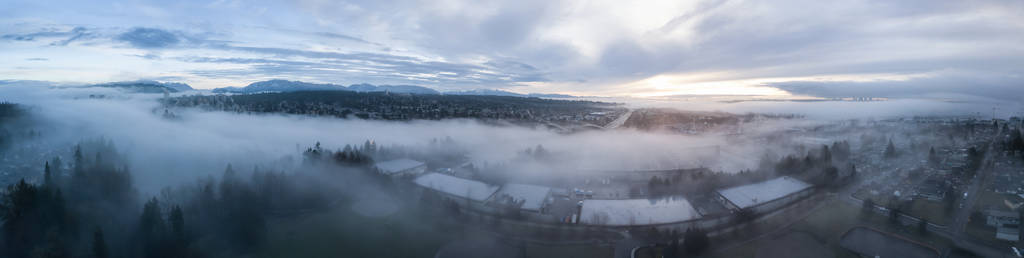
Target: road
<point x="619" y="121"/>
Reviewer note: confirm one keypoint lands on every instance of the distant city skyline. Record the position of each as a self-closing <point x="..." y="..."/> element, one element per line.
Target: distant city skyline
<point x="592" y="48"/>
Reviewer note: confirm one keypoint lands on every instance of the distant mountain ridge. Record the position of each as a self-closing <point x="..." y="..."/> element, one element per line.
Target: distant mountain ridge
<point x="146" y="86"/>
<point x="278" y="85"/>
<point x="489" y="92"/>
<point x="293" y="86"/>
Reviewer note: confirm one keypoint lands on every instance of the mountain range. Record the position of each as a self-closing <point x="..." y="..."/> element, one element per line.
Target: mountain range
<point x="147" y="86"/>
<point x="293" y="86"/>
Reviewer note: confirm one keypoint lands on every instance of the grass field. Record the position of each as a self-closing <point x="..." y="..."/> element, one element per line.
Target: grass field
<point x="932" y="211"/>
<point x="822" y="231"/>
<point x="981" y="232"/>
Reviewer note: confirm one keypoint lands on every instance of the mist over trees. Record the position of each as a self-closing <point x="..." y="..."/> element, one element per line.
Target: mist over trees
<point x="90" y="208"/>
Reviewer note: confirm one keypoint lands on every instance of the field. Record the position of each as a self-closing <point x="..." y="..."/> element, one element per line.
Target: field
<point x="932" y="211"/>
<point x="819" y="234"/>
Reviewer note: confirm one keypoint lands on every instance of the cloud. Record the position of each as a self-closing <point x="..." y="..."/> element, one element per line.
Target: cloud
<point x="71" y="35"/>
<point x="569" y="45"/>
<point x="149" y="38"/>
<point x="368" y="67"/>
<point x="993" y="86"/>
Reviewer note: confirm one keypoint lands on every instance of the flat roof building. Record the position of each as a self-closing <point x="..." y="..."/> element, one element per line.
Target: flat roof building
<point x="533" y="197"/>
<point x="637" y="212"/>
<point x="752" y="195"/>
<point x="455" y="186"/>
<point x="401" y="166"/>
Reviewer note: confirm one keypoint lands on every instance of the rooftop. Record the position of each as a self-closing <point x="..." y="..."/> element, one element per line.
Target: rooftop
<point x="636" y="211"/>
<point x="461" y="187"/>
<point x="767" y="191"/>
<point x="532" y="195"/>
<point x="398" y="165"/>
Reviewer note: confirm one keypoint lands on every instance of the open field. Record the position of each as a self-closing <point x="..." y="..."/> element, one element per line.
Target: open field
<point x="932" y="211"/>
<point x="821" y="231"/>
<point x="871" y="242"/>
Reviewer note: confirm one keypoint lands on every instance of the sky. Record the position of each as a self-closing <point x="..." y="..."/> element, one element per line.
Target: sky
<point x="841" y="48"/>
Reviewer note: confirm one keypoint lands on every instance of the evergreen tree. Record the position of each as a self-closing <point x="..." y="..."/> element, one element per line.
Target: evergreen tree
<point x="99" y="245"/>
<point x="151" y="229"/>
<point x="79" y="160"/>
<point x="826" y="155"/>
<point x="47" y="176"/>
<point x="178" y="240"/>
<point x="695" y="241"/>
<point x="933" y="157"/>
<point x="890" y="150"/>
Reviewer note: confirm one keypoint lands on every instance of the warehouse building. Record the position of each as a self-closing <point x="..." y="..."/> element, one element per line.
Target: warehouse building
<point x="455" y="187"/>
<point x="637" y="212"/>
<point x="765" y="196"/>
<point x="533" y="197"/>
<point x="401" y="167"/>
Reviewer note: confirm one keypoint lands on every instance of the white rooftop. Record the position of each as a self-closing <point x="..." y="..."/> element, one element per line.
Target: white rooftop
<point x="636" y="211"/>
<point x="532" y="195"/>
<point x="758" y="193"/>
<point x="465" y="188"/>
<point x="398" y="165"/>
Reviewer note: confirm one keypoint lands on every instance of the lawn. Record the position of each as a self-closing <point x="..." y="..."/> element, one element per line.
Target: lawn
<point x="981" y="232"/>
<point x="819" y="231"/>
<point x="823" y="229"/>
<point x="931" y="211"/>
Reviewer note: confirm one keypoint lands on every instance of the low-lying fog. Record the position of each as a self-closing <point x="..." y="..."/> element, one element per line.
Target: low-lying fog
<point x="200" y="143"/>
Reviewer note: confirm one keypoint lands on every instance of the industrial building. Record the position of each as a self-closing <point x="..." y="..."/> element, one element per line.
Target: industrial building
<point x="636" y="212"/>
<point x="765" y="196"/>
<point x="533" y="197"/>
<point x="457" y="187"/>
<point x="401" y="167"/>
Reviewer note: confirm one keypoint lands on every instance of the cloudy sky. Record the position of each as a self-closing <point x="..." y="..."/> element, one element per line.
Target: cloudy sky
<point x="602" y="48"/>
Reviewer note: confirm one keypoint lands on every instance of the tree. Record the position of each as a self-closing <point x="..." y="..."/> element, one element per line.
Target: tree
<point x="79" y="161"/>
<point x="178" y="241"/>
<point x="151" y="229"/>
<point x="99" y="245"/>
<point x="894" y="215"/>
<point x="829" y="175"/>
<point x="949" y="199"/>
<point x="922" y="226"/>
<point x="826" y="155"/>
<point x="933" y="158"/>
<point x="695" y="241"/>
<point x="47" y="176"/>
<point x="890" y="150"/>
<point x="867" y="208"/>
<point x="745" y="215"/>
<point x="673" y="246"/>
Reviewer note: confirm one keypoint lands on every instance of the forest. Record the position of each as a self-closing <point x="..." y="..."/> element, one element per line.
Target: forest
<point x="89" y="207"/>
